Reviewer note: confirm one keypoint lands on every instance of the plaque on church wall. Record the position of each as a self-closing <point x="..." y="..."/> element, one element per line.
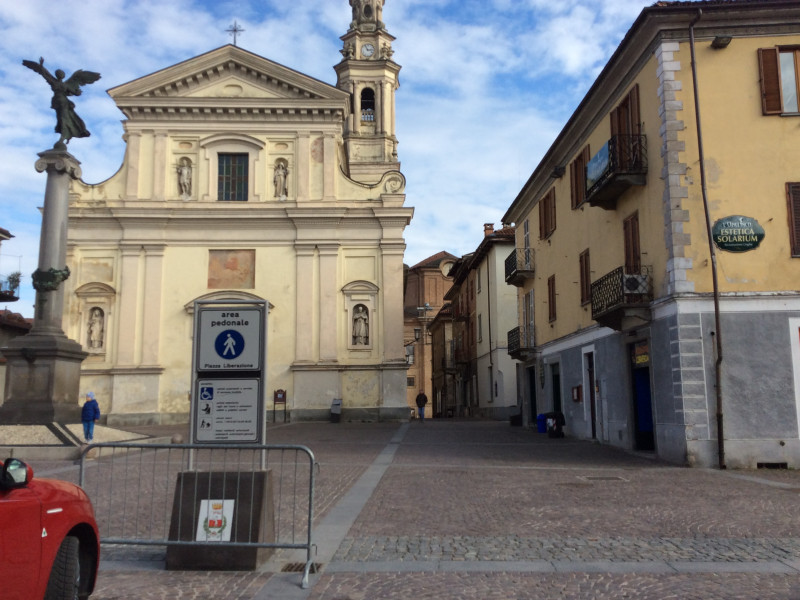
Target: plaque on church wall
<point x="231" y="269"/>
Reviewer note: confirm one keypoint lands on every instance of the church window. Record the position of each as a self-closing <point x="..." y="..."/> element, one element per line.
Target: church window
<point x="232" y="177"/>
<point x="368" y="104"/>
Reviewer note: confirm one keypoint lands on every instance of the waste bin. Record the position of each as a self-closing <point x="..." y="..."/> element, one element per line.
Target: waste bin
<point x="541" y="423"/>
<point x="555" y="424"/>
<point x="336" y="410"/>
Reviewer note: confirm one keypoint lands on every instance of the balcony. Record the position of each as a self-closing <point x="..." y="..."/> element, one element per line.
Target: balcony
<point x="620" y="164"/>
<point x="519" y="266"/>
<point x="521" y="343"/>
<point x="9" y="288"/>
<point x="621" y="300"/>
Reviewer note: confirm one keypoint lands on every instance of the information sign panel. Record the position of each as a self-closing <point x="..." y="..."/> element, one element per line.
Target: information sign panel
<point x="227" y="410"/>
<point x="229" y="339"/>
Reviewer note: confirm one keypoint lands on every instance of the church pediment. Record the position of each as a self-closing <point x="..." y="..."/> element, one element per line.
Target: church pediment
<point x="226" y="73"/>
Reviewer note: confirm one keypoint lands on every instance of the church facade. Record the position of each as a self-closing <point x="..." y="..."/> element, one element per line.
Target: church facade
<point x="246" y="180"/>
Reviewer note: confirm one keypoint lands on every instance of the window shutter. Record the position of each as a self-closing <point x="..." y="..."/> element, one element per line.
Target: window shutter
<point x="542" y="217"/>
<point x="636" y="124"/>
<point x="552" y="203"/>
<point x="633" y="258"/>
<point x="793" y="197"/>
<point x="770" y="81"/>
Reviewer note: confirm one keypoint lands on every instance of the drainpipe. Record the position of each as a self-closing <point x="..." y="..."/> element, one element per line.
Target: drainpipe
<point x="717" y="335"/>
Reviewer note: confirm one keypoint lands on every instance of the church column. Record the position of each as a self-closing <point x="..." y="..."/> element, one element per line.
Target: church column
<point x="392" y="296"/>
<point x="151" y="317"/>
<point x="159" y="166"/>
<point x="328" y="301"/>
<point x="329" y="168"/>
<point x="128" y="301"/>
<point x="134" y="141"/>
<point x="356" y="108"/>
<point x="304" y="312"/>
<point x="303" y="166"/>
<point x="381" y="109"/>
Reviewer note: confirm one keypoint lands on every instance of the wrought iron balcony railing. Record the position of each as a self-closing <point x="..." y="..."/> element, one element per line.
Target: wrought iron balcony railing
<point x="521" y="342"/>
<point x="519" y="266"/>
<point x="618" y="165"/>
<point x="8" y="291"/>
<point x="617" y="292"/>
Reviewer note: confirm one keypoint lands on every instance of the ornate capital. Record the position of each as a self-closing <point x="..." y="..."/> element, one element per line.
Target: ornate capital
<point x="59" y="161"/>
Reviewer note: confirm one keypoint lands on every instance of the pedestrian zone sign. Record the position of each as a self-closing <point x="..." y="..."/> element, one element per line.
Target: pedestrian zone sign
<point x="227" y="410"/>
<point x="230" y="339"/>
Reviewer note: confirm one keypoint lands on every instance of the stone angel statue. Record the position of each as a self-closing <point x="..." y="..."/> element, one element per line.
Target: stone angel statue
<point x="68" y="123"/>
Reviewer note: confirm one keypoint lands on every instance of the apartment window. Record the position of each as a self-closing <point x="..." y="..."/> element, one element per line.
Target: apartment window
<point x="633" y="251"/>
<point x="480" y="328"/>
<point x="577" y="178"/>
<point x="527" y="317"/>
<point x="547" y="214"/>
<point x="586" y="277"/>
<point x="793" y="197"/>
<point x="232" y="177"/>
<point x="411" y="382"/>
<point x="779" y="79"/>
<point x="625" y="117"/>
<point x="551" y="298"/>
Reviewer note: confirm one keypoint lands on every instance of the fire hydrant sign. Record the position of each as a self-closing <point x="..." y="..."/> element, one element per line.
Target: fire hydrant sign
<point x="227" y="410"/>
<point x="230" y="340"/>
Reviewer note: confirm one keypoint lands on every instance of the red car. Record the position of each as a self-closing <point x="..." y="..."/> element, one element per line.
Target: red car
<point x="49" y="544"/>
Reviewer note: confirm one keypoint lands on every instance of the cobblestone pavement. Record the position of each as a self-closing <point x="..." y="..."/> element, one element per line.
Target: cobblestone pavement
<point x="474" y="510"/>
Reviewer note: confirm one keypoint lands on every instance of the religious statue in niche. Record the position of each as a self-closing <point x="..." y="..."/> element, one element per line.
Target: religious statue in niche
<point x="184" y="169"/>
<point x="360" y="325"/>
<point x="281" y="180"/>
<point x="96" y="328"/>
<point x="68" y="123"/>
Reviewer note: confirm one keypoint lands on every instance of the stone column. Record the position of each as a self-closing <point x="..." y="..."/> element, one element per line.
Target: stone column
<point x="43" y="369"/>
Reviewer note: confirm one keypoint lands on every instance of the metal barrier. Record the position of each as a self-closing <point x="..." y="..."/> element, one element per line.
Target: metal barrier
<point x="134" y="492"/>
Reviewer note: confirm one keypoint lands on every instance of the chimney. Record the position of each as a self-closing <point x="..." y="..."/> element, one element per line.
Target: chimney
<point x="488" y="229"/>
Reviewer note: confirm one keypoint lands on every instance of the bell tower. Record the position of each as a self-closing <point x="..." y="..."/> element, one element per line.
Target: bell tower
<point x="368" y="73"/>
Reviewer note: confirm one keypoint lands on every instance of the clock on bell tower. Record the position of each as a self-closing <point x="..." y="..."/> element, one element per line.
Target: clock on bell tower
<point x="369" y="74"/>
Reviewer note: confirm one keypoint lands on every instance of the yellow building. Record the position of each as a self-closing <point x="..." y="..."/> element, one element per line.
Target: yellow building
<point x="246" y="180"/>
<point x="642" y="332"/>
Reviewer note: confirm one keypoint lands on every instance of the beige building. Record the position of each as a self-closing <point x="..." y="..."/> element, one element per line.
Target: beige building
<point x="246" y="180"/>
<point x="483" y="309"/>
<point x="426" y="284"/>
<point x="642" y="331"/>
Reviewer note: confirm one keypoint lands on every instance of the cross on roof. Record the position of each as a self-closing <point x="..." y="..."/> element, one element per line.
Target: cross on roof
<point x="234" y="30"/>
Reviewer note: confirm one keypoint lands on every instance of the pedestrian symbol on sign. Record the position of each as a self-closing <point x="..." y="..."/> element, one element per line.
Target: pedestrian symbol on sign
<point x="229" y="344"/>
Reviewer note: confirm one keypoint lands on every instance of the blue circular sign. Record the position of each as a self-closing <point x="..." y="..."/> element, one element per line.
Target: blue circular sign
<point x="229" y="344"/>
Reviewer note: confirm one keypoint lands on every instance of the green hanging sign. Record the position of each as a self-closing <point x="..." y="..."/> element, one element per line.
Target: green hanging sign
<point x="737" y="233"/>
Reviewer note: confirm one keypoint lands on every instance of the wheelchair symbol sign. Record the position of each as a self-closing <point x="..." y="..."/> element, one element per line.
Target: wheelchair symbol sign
<point x="229" y="344"/>
<point x="207" y="393"/>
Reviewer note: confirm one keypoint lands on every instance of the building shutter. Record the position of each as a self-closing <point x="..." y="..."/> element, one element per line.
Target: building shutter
<point x="770" y="81"/>
<point x="633" y="254"/>
<point x="793" y="197"/>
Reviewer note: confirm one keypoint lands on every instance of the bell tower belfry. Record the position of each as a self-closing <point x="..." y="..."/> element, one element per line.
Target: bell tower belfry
<point x="368" y="73"/>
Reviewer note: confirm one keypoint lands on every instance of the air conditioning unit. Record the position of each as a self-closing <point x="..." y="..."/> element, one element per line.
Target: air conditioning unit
<point x="634" y="284"/>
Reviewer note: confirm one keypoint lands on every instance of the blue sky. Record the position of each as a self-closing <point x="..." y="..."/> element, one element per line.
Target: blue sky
<point x="485" y="87"/>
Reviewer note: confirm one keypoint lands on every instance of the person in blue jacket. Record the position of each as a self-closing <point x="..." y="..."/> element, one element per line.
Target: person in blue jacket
<point x="89" y="414"/>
